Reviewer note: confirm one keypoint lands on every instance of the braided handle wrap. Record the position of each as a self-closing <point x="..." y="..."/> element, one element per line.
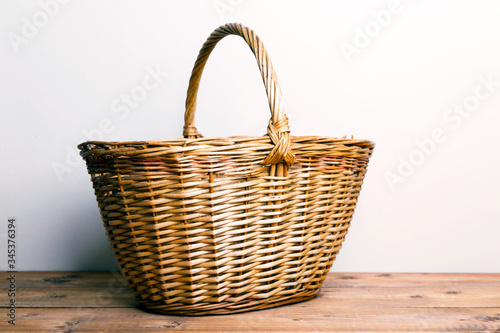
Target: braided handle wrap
<point x="278" y="129"/>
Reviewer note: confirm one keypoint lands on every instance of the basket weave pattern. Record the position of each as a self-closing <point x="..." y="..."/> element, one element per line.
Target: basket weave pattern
<point x="224" y="225"/>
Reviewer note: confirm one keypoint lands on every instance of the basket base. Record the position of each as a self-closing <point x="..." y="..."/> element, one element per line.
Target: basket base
<point x="226" y="308"/>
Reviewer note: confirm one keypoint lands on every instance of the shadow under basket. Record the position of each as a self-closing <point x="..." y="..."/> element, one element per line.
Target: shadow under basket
<point x="225" y="225"/>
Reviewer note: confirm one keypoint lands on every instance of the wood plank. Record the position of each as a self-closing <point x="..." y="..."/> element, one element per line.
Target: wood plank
<point x="413" y="297"/>
<point x="294" y="318"/>
<point x="68" y="298"/>
<point x="334" y="280"/>
<point x="80" y="280"/>
<point x="415" y="280"/>
<point x="72" y="289"/>
<point x="366" y="297"/>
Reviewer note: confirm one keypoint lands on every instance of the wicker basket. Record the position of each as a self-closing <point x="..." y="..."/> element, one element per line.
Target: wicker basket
<point x="225" y="225"/>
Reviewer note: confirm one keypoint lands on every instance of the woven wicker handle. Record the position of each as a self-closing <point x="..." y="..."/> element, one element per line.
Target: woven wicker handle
<point x="277" y="129"/>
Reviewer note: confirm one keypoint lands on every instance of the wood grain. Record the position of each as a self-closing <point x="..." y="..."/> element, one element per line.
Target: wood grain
<point x="361" y="302"/>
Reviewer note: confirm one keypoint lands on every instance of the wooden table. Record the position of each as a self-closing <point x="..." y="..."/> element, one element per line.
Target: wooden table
<point x="361" y="302"/>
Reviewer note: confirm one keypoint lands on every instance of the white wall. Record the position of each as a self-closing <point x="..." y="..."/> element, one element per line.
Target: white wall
<point x="427" y="208"/>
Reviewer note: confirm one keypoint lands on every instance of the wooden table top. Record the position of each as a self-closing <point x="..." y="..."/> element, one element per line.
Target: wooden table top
<point x="348" y="302"/>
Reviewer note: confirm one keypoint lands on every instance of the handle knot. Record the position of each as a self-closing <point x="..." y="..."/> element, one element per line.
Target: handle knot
<point x="279" y="133"/>
<point x="190" y="131"/>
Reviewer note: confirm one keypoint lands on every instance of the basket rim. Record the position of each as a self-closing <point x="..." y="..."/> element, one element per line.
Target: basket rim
<point x="226" y="141"/>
